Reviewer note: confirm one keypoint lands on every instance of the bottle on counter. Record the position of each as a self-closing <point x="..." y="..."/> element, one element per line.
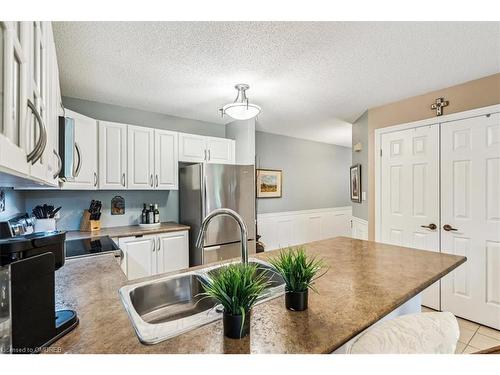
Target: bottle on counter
<point x="151" y="214"/>
<point x="156" y="213"/>
<point x="144" y="214"/>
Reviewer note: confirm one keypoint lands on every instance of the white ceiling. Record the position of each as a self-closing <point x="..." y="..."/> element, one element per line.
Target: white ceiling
<point x="311" y="79"/>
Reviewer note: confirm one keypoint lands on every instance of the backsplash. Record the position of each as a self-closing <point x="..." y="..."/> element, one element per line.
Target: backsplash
<point x="14" y="203"/>
<point x="74" y="202"/>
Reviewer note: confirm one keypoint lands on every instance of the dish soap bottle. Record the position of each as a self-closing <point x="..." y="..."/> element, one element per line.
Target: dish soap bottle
<point x="157" y="213"/>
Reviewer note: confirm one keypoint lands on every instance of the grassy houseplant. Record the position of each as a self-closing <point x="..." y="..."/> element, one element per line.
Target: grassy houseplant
<point x="236" y="287"/>
<point x="299" y="272"/>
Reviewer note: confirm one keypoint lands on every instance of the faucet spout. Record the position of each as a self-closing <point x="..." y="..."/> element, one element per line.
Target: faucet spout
<point x="243" y="230"/>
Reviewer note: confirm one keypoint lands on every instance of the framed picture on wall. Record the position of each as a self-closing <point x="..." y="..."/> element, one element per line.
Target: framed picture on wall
<point x="356" y="183"/>
<point x="269" y="183"/>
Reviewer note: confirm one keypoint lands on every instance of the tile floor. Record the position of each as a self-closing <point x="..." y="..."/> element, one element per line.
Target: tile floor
<point x="473" y="337"/>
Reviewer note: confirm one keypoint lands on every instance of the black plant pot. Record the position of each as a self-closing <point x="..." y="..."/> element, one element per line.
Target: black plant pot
<point x="234" y="325"/>
<point x="296" y="301"/>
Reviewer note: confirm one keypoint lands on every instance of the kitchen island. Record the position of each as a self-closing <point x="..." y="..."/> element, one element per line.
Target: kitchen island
<point x="366" y="282"/>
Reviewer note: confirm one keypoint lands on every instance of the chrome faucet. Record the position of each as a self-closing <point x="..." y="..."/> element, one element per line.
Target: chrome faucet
<point x="237" y="218"/>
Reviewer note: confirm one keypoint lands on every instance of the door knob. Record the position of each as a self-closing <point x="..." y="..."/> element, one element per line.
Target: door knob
<point x="448" y="227"/>
<point x="431" y="226"/>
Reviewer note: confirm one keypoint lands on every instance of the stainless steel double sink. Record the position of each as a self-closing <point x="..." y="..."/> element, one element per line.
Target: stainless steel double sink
<point x="169" y="306"/>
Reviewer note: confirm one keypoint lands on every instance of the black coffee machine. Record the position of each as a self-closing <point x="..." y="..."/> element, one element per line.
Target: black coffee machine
<point x="28" y="291"/>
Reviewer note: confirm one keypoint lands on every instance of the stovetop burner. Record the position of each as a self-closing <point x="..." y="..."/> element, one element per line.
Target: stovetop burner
<point x="90" y="246"/>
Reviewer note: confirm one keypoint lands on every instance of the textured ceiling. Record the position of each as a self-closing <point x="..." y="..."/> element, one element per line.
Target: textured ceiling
<point x="310" y="78"/>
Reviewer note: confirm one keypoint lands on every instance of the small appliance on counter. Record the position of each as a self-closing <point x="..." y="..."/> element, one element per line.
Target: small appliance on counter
<point x="28" y="261"/>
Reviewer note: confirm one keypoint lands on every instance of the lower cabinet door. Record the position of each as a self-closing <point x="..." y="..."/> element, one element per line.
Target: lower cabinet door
<point x="140" y="256"/>
<point x="173" y="253"/>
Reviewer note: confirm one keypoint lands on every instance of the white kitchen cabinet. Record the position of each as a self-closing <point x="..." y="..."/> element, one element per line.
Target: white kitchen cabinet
<point x="197" y="149"/>
<point x="192" y="148"/>
<point x="139" y="256"/>
<point x="153" y="254"/>
<point x="112" y="155"/>
<point x="28" y="125"/>
<point x="85" y="151"/>
<point x="166" y="160"/>
<point x="14" y="78"/>
<point x="141" y="157"/>
<point x="172" y="252"/>
<point x="220" y="150"/>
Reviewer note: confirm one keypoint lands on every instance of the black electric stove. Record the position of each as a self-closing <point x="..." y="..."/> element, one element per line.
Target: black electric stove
<point x="91" y="246"/>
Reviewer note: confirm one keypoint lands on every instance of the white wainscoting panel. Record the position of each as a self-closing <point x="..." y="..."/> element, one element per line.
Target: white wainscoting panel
<point x="282" y="229"/>
<point x="359" y="228"/>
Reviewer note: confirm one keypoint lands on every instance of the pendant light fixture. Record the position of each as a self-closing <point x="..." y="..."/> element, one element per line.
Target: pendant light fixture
<point x="240" y="109"/>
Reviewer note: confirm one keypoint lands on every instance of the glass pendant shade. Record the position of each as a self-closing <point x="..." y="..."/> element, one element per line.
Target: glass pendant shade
<point x="241" y="109"/>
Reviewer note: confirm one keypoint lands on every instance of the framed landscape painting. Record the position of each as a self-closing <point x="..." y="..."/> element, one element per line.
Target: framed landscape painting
<point x="269" y="183"/>
<point x="356" y="183"/>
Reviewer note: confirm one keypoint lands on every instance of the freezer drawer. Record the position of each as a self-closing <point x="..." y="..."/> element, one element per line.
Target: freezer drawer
<point x="223" y="252"/>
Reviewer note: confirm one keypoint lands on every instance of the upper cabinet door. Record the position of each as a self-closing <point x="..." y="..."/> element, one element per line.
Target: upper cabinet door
<point x="112" y="155"/>
<point x="14" y="44"/>
<point x="220" y="150"/>
<point x="140" y="155"/>
<point x="192" y="148"/>
<point x="166" y="160"/>
<point x="85" y="151"/>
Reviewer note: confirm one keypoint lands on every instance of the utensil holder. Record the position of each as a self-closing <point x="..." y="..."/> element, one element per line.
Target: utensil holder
<point x="45" y="225"/>
<point x="88" y="225"/>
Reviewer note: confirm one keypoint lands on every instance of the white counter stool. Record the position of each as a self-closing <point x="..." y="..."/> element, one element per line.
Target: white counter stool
<point x="423" y="333"/>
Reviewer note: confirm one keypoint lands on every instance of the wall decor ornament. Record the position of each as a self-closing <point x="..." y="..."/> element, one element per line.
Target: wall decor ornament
<point x="269" y="183"/>
<point x="439" y="105"/>
<point x="355" y="183"/>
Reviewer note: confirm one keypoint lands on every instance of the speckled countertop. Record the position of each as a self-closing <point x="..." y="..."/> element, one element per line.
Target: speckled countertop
<point x="125" y="231"/>
<point x="365" y="282"/>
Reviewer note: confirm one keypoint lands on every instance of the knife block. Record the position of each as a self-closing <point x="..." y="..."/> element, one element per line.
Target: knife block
<point x="88" y="225"/>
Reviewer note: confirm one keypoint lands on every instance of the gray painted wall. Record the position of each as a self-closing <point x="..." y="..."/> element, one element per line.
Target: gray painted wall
<point x="14" y="203"/>
<point x="74" y="202"/>
<point x="315" y="175"/>
<point x="360" y="134"/>
<point x="115" y="113"/>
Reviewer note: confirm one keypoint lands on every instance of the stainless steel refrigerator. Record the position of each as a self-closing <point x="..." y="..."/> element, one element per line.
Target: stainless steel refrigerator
<point x="202" y="189"/>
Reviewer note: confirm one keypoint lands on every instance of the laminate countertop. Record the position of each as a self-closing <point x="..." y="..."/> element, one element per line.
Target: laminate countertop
<point x="125" y="231"/>
<point x="365" y="282"/>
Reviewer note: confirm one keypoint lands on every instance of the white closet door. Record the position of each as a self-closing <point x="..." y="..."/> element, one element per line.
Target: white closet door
<point x="410" y="193"/>
<point x="140" y="156"/>
<point x="470" y="188"/>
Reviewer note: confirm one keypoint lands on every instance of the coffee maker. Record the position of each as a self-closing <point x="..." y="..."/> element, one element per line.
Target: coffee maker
<point x="28" y="261"/>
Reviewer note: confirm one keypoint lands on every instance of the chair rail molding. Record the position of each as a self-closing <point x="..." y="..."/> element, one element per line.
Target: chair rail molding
<point x="291" y="228"/>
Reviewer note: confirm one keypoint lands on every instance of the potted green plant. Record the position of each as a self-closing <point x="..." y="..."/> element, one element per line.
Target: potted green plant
<point x="236" y="287"/>
<point x="299" y="272"/>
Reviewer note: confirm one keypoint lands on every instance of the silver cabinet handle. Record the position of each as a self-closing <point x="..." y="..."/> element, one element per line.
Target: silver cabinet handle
<point x="79" y="164"/>
<point x="209" y="156"/>
<point x="205" y="155"/>
<point x="159" y="244"/>
<point x="154" y="245"/>
<point x="39" y="148"/>
<point x="156" y="180"/>
<point x="95" y="179"/>
<point x="123" y="179"/>
<point x="59" y="165"/>
<point x="151" y="180"/>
